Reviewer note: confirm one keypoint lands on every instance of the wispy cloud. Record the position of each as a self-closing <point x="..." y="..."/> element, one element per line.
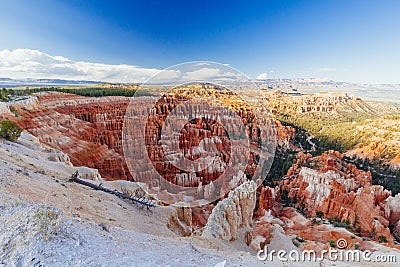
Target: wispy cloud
<point x="27" y="63"/>
<point x="262" y="76"/>
<point x="211" y="73"/>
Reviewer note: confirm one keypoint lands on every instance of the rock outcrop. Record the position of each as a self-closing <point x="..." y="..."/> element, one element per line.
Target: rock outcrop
<point x="84" y="130"/>
<point x="326" y="103"/>
<point x="381" y="136"/>
<point x="30" y="149"/>
<point x="392" y="209"/>
<point x="233" y="215"/>
<point x="268" y="201"/>
<point x="181" y="221"/>
<point x="396" y="231"/>
<point x="4" y="108"/>
<point x="27" y="103"/>
<point x="336" y="190"/>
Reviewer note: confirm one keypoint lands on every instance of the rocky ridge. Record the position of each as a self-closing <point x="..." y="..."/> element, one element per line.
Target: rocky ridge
<point x="329" y="187"/>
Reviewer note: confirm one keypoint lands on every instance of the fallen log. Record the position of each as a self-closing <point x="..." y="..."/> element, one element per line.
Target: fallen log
<point x="139" y="200"/>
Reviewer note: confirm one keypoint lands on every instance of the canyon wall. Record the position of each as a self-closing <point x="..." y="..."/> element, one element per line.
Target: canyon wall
<point x="90" y="131"/>
<point x="326" y="186"/>
<point x="315" y="103"/>
<point x="86" y="132"/>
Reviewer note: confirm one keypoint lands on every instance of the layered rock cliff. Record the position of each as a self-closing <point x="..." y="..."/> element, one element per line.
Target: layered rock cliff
<point x="328" y="187"/>
<point x="89" y="130"/>
<point x="87" y="141"/>
<point x="321" y="103"/>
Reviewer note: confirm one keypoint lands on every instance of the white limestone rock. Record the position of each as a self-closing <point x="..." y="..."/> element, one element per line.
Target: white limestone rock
<point x="232" y="214"/>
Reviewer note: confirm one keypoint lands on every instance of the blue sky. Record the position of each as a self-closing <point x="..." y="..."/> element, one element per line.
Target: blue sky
<point x="343" y="40"/>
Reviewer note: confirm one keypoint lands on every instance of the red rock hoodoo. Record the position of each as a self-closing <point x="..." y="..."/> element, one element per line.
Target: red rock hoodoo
<point x="339" y="191"/>
<point x="89" y="130"/>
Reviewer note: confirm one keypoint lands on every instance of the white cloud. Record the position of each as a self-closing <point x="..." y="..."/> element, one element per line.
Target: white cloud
<point x="262" y="76"/>
<point x="201" y="64"/>
<point x="202" y="74"/>
<point x="212" y="74"/>
<point x="27" y="63"/>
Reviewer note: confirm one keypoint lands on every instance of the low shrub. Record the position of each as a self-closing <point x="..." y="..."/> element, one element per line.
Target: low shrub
<point x="9" y="130"/>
